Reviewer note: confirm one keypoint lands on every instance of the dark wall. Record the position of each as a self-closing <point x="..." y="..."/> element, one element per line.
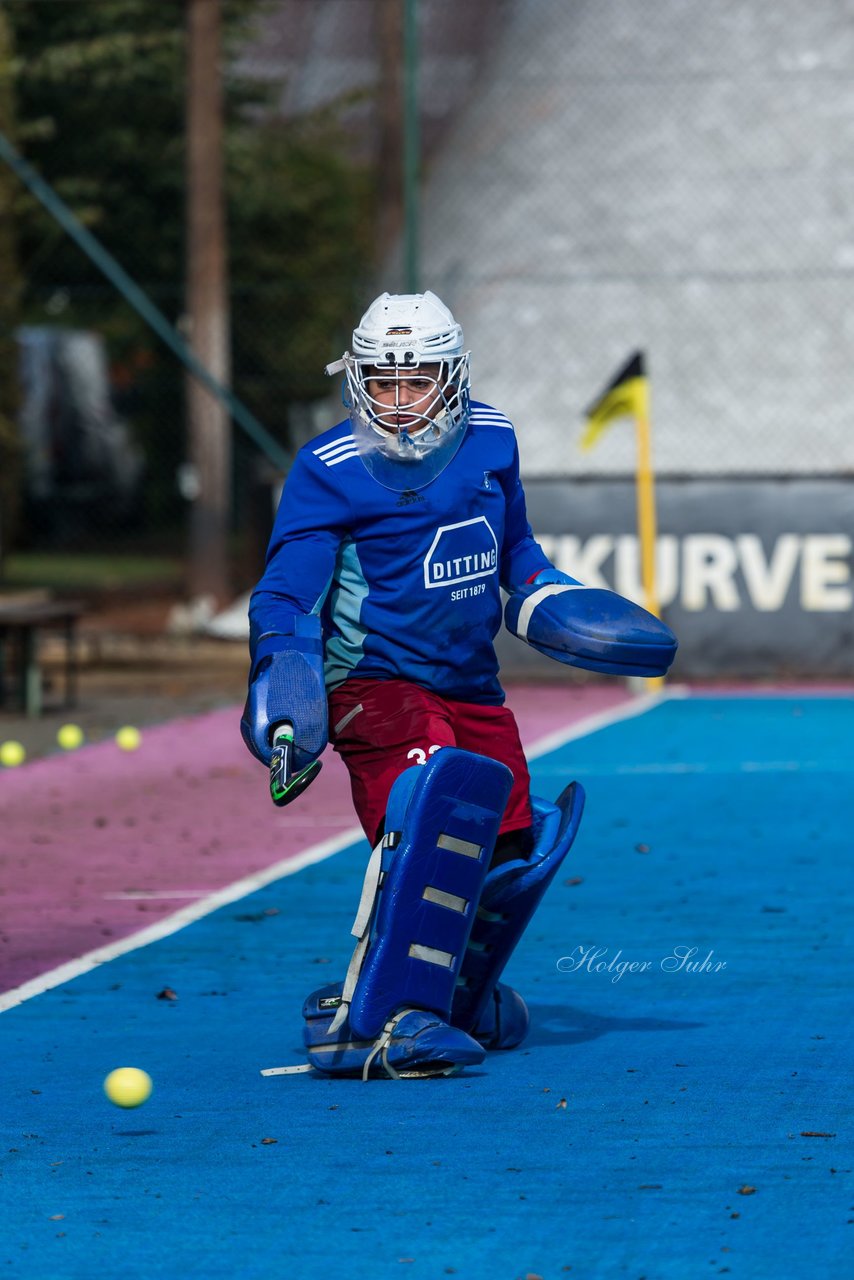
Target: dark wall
<point x="755" y="576"/>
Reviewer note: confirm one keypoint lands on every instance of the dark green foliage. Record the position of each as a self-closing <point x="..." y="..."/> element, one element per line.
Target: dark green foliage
<point x="100" y="94"/>
<point x="292" y="308"/>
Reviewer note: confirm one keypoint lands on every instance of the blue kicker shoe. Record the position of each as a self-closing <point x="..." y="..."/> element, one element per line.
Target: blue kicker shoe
<point x="413" y="1042"/>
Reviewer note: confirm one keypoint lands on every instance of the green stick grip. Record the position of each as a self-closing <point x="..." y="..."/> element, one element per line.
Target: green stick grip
<point x="285" y="786"/>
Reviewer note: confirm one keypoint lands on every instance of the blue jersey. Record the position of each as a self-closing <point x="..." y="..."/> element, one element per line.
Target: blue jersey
<point x="407" y="584"/>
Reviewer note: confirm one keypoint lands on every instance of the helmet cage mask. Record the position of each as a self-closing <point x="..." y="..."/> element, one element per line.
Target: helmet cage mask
<point x="409" y="432"/>
<point x="436" y="404"/>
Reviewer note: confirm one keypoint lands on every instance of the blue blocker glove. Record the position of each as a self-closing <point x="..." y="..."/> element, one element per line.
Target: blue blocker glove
<point x="286" y="687"/>
<point x="589" y="627"/>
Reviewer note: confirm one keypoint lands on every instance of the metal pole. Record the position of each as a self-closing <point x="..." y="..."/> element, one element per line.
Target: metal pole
<point x="208" y="427"/>
<point x="411" y="146"/>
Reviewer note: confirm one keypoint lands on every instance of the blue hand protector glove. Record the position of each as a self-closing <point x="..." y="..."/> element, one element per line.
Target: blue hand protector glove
<point x="286" y="684"/>
<point x="589" y="627"/>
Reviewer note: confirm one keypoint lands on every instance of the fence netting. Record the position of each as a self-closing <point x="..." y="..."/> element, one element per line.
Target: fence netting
<point x="597" y="178"/>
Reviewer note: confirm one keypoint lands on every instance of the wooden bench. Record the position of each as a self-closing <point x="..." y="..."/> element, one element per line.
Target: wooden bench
<point x="21" y="623"/>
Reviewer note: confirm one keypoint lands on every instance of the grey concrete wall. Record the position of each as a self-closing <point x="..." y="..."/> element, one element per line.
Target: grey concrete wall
<point x="673" y="176"/>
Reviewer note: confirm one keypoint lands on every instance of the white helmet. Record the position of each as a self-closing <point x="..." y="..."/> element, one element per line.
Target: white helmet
<point x="409" y="348"/>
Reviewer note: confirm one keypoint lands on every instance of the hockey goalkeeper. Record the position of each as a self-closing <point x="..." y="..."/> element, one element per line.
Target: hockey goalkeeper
<point x="372" y="628"/>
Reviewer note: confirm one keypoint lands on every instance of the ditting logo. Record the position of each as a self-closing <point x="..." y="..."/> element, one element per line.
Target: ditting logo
<point x="461" y="553"/>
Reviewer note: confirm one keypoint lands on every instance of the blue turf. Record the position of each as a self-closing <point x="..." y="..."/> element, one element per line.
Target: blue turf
<point x="721" y="824"/>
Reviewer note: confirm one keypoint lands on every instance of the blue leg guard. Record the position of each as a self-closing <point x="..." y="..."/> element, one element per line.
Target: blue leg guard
<point x="505" y="1019"/>
<point x="391" y="1015"/>
<point x="495" y="1014"/>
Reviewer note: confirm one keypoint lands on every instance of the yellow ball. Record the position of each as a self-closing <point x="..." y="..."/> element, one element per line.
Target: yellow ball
<point x="69" y="736"/>
<point x="128" y="1086"/>
<point x="128" y="738"/>
<point x="12" y="753"/>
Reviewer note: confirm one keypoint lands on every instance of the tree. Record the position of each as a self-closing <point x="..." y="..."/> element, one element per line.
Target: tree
<point x="100" y="90"/>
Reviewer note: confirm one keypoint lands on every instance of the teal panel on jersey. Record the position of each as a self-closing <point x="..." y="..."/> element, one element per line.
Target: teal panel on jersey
<point x="345" y="649"/>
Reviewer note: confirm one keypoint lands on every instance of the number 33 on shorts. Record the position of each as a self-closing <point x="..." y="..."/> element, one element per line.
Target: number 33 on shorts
<point x="419" y="756"/>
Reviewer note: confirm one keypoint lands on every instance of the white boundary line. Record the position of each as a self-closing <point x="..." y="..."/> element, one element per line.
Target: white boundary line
<point x="154" y="895"/>
<point x="289" y="866"/>
<point x="602" y="719"/>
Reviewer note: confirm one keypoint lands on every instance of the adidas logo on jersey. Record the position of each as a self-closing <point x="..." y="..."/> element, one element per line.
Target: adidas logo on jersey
<point x="407" y="498"/>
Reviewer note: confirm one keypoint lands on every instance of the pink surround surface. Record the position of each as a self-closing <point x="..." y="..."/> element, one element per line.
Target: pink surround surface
<point x="99" y="843"/>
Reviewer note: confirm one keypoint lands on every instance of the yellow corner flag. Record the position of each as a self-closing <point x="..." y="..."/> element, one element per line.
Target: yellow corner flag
<point x="627" y="396"/>
<point x="624" y="397"/>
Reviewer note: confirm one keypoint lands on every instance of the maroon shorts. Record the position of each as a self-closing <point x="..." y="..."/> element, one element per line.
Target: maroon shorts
<point x="381" y="727"/>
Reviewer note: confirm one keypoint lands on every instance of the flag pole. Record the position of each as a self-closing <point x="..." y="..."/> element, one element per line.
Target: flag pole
<point x="627" y="396"/>
<point x="647" y="525"/>
<point x="646" y="502"/>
